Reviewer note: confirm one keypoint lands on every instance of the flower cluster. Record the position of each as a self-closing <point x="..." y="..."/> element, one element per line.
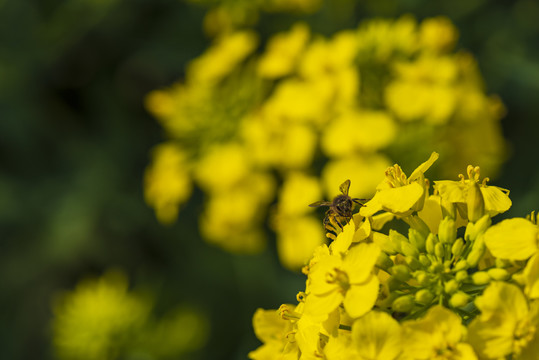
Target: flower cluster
<point x="250" y="129"/>
<point x="102" y="320"/>
<point x="417" y="274"/>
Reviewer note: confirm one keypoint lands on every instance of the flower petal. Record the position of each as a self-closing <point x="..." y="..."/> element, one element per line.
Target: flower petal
<point x="513" y="239"/>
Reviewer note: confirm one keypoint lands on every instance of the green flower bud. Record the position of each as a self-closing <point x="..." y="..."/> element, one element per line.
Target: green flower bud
<point x="459" y="299"/>
<point x="416" y="239"/>
<point x="462" y="265"/>
<point x="431" y="241"/>
<point x="461" y="275"/>
<point x="424" y="296"/>
<point x="384" y="261"/>
<point x="424" y="260"/>
<point x="473" y="230"/>
<point x="498" y="274"/>
<point x="412" y="262"/>
<point x="439" y="251"/>
<point x="393" y="283"/>
<point x="436" y="268"/>
<point x="396" y="238"/>
<point x="457" y="247"/>
<point x="422" y="277"/>
<point x="474" y="257"/>
<point x="451" y="286"/>
<point x="408" y="249"/>
<point x="403" y="304"/>
<point x="478" y="249"/>
<point x="401" y="272"/>
<point x="480" y="278"/>
<point x="475" y="204"/>
<point x="447" y="231"/>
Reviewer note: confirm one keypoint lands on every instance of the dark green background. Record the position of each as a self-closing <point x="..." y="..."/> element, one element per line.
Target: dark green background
<point x="75" y="139"/>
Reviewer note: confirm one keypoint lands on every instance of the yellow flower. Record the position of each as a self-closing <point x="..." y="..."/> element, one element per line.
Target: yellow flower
<point x="347" y="279"/>
<point x="438" y="335"/>
<point x="98" y="318"/>
<point x="324" y="57"/>
<point x="397" y="193"/>
<point x="283" y="52"/>
<point x="231" y="218"/>
<point x="222" y="57"/>
<point x="424" y="89"/>
<point x="358" y="131"/>
<point x="507" y="324"/>
<point x="381" y="39"/>
<point x="275" y="332"/>
<point x="297" y="237"/>
<point x="438" y="34"/>
<point x="167" y="182"/>
<point x="472" y="198"/>
<point x="517" y="239"/>
<point x="222" y="167"/>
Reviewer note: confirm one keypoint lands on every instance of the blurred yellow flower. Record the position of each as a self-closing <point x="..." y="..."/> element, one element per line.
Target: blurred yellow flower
<point x="101" y="319"/>
<point x="220" y="59"/>
<point x="339" y="107"/>
<point x="283" y="52"/>
<point x="167" y="183"/>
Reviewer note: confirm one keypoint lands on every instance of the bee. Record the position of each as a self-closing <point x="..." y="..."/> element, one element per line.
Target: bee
<point x="339" y="209"/>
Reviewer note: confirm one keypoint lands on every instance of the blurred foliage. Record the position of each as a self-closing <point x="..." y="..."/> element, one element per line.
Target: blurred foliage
<point x="75" y="139"/>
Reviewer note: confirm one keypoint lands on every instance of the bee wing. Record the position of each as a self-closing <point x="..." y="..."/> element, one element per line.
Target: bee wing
<point x="320" y="203"/>
<point x="360" y="201"/>
<point x="345" y="186"/>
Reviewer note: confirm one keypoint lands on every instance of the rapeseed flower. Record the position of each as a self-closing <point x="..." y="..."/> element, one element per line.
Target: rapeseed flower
<point x="345" y="106"/>
<point x="101" y="319"/>
<point x="422" y="273"/>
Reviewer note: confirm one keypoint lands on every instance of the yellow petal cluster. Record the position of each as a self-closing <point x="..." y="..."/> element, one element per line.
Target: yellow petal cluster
<point x="250" y="117"/>
<point x="419" y="272"/>
<point x="101" y="319"/>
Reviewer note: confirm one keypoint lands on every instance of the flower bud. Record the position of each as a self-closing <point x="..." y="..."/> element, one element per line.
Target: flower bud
<point x="447" y="231"/>
<point x="424" y="260"/>
<point x="480" y="278"/>
<point x="498" y="274"/>
<point x="383" y="261"/>
<point x="474" y="257"/>
<point x="403" y="303"/>
<point x="401" y="272"/>
<point x="408" y="249"/>
<point x="461" y="275"/>
<point x="413" y="263"/>
<point x="436" y="268"/>
<point x="431" y="241"/>
<point x="462" y="265"/>
<point x="422" y="277"/>
<point x="475" y="203"/>
<point x="396" y="238"/>
<point x="439" y="251"/>
<point x="457" y="247"/>
<point x="424" y="296"/>
<point x="416" y="239"/>
<point x="473" y="230"/>
<point x="459" y="299"/>
<point x="451" y="286"/>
